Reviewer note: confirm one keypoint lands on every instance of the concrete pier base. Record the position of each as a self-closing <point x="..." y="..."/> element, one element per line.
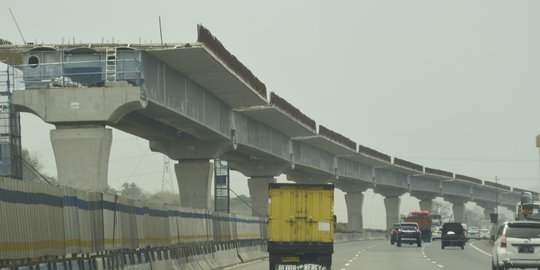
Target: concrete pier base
<point x="82" y="156"/>
<point x="194" y="182"/>
<point x="258" y="192"/>
<point x="392" y="205"/>
<point x="354" y="201"/>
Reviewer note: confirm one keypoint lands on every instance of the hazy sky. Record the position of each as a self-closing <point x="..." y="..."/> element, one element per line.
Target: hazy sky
<point x="452" y="85"/>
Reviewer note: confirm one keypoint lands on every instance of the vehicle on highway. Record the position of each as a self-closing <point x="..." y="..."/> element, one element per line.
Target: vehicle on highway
<point x="517" y="245"/>
<point x="301" y="225"/>
<point x="436" y="233"/>
<point x="436" y="220"/>
<point x="424" y="221"/>
<point x="473" y="233"/>
<point x="409" y="233"/>
<point x="453" y="234"/>
<point x="394" y="231"/>
<point x="484" y="233"/>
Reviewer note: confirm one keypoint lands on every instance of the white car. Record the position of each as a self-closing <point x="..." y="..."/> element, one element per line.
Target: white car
<point x="484" y="233"/>
<point x="436" y="233"/>
<point x="473" y="233"/>
<point x="517" y="245"/>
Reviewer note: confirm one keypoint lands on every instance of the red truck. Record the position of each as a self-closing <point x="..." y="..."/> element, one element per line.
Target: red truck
<point x="424" y="221"/>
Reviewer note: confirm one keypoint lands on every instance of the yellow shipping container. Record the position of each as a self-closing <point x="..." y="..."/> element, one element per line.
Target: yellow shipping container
<point x="301" y="213"/>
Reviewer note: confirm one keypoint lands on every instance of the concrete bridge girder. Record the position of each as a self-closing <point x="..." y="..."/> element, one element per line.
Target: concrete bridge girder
<point x="510" y="200"/>
<point x="299" y="175"/>
<point x="422" y="184"/>
<point x="258" y="168"/>
<point x="384" y="177"/>
<point x="187" y="147"/>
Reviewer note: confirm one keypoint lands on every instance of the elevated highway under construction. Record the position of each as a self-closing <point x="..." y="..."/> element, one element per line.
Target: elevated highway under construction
<point x="195" y="102"/>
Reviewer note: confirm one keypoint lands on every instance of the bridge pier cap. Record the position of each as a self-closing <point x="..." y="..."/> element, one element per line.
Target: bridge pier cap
<point x="261" y="173"/>
<point x="80" y="142"/>
<point x="426" y="199"/>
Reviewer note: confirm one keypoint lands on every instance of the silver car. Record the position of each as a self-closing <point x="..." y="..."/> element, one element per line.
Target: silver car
<point x="473" y="233"/>
<point x="517" y="245"/>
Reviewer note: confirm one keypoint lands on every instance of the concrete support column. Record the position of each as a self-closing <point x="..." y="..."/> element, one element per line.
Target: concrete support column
<point x="426" y="204"/>
<point x="82" y="156"/>
<point x="194" y="182"/>
<point x="354" y="201"/>
<point x="487" y="212"/>
<point x="459" y="212"/>
<point x="392" y="205"/>
<point x="258" y="193"/>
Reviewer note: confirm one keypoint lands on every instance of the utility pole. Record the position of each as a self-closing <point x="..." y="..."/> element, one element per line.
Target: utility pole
<point x="538" y="145"/>
<point x="496" y="195"/>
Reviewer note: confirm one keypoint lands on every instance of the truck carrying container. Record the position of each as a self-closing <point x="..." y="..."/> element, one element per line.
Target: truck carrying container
<point x="301" y="226"/>
<point x="424" y="221"/>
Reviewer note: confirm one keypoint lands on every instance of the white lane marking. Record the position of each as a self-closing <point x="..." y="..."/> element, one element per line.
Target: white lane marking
<point x="347" y="264"/>
<point x="350" y="261"/>
<point x="481" y="251"/>
<point x="429" y="259"/>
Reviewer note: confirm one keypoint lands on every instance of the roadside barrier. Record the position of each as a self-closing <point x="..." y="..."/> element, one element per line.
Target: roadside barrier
<point x="52" y="227"/>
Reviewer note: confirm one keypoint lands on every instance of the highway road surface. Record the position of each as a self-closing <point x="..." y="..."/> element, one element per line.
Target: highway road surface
<point x="381" y="255"/>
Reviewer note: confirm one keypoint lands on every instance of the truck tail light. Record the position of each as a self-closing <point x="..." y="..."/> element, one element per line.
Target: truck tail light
<point x="503" y="241"/>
